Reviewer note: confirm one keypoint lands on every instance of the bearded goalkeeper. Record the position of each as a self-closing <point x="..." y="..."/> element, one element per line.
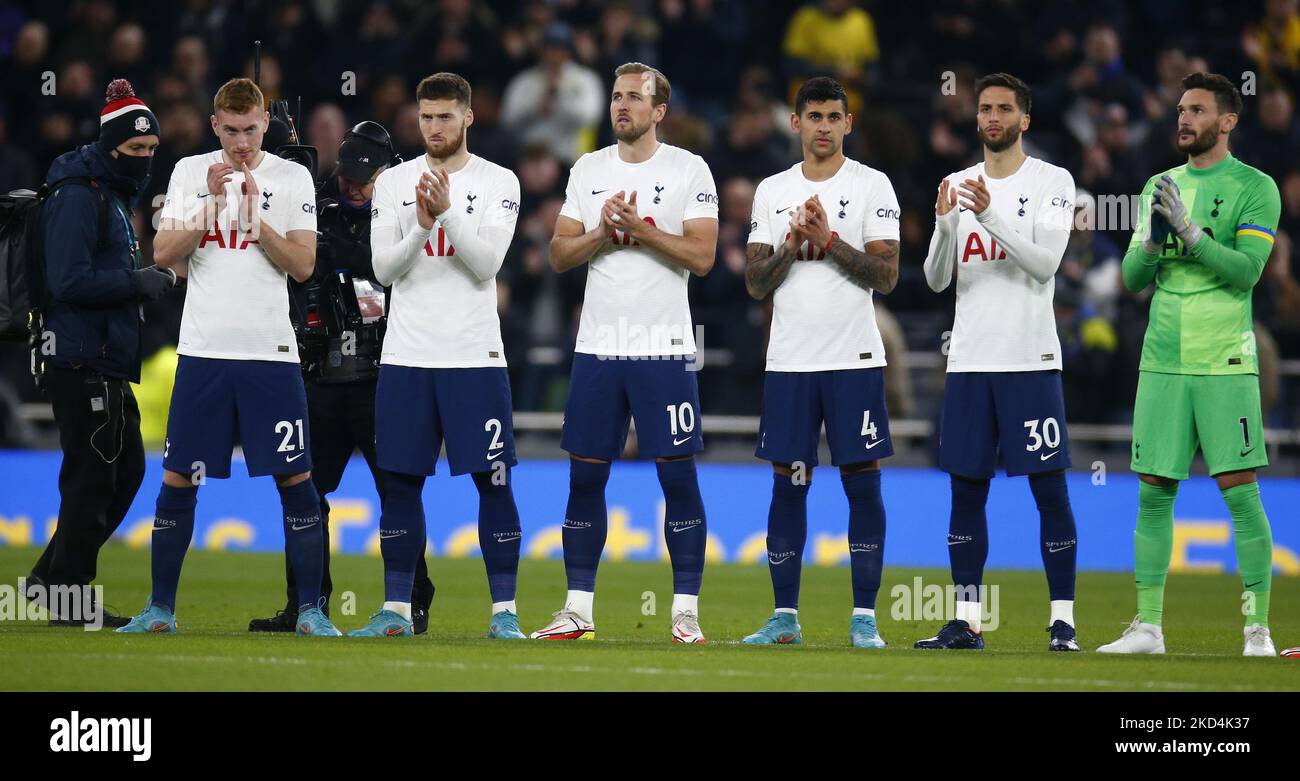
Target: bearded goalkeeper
<point x="1205" y="231"/>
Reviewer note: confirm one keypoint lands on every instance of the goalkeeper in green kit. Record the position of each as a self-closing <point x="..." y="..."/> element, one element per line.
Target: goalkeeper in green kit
<point x="1205" y="231"/>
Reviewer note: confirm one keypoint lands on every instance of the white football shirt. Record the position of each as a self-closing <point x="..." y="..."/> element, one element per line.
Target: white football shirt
<point x="821" y="321"/>
<point x="1004" y="320"/>
<point x="635" y="302"/>
<point x="443" y="310"/>
<point x="237" y="302"/>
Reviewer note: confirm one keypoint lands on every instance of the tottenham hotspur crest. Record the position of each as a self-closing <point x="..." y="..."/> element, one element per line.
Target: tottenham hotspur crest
<point x="470" y="197"/>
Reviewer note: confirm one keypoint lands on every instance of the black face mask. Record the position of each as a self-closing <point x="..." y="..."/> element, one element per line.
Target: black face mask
<point x="134" y="170"/>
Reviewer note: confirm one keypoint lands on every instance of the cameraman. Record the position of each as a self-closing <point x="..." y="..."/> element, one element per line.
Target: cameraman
<point x="96" y="282"/>
<point x="338" y="315"/>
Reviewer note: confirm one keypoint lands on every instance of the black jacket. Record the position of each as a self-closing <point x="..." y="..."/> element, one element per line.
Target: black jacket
<point x="93" y="310"/>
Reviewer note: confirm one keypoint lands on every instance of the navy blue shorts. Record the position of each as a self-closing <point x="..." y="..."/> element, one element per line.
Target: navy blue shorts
<point x="217" y="403"/>
<point x="850" y="401"/>
<point x="416" y="409"/>
<point x="1019" y="414"/>
<point x="660" y="393"/>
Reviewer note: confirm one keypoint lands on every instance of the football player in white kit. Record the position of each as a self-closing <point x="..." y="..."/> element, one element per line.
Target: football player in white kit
<point x="823" y="237"/>
<point x="1001" y="228"/>
<point x="642" y="216"/>
<point x="237" y="221"/>
<point x="440" y="228"/>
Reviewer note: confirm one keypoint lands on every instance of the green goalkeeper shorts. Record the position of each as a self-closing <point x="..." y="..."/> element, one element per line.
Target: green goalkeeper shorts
<point x="1176" y="413"/>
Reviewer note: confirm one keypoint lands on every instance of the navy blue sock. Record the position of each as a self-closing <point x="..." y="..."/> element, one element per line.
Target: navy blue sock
<point x="1057" y="533"/>
<point x="685" y="528"/>
<point x="586" y="523"/>
<point x="173" y="528"/>
<point x="499" y="535"/>
<point x="401" y="534"/>
<point x="787" y="531"/>
<point x="303" y="540"/>
<point x="866" y="534"/>
<point x="968" y="535"/>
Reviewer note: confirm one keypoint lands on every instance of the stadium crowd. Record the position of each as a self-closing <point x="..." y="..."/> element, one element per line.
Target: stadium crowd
<point x="1105" y="75"/>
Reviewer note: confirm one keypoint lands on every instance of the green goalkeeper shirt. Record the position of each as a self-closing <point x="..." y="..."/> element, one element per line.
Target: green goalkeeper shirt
<point x="1200" y="320"/>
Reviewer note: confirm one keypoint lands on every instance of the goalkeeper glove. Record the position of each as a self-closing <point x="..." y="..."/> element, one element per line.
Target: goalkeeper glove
<point x="1169" y="205"/>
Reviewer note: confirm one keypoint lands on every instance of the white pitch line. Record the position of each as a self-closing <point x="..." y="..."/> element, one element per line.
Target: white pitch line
<point x="649" y="671"/>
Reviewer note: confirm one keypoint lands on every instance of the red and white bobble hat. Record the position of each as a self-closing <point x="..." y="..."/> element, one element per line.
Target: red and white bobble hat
<point x="124" y="116"/>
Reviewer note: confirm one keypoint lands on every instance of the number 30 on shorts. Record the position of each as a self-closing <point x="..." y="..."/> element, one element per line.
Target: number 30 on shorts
<point x="1051" y="435"/>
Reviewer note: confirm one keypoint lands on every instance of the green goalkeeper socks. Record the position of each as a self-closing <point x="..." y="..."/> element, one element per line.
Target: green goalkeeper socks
<point x="1153" y="542"/>
<point x="1254" y="541"/>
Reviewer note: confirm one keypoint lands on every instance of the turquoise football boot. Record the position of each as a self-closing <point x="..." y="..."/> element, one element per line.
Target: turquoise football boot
<point x="314" y="622"/>
<point x="505" y="626"/>
<point x="151" y="619"/>
<point x="780" y="629"/>
<point x="385" y="623"/>
<point x="863" y="633"/>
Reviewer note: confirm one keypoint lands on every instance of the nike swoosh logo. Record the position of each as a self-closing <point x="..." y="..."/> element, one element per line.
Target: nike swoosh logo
<point x="393" y="631"/>
<point x="491" y="456"/>
<point x="205" y="195"/>
<point x="1058" y="550"/>
<point x="598" y="192"/>
<point x="962" y="209"/>
<point x="297" y="528"/>
<point x="407" y="203"/>
<point x="1049" y="455"/>
<point x="778" y="211"/>
<point x="1245" y="453"/>
<point x="678" y="442"/>
<point x="291" y="459"/>
<point x="389" y="536"/>
<point x="677" y="529"/>
<point x="873" y="444"/>
<point x="958" y="542"/>
<point x="1252" y="585"/>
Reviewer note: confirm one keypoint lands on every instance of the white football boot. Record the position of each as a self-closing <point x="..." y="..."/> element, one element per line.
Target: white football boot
<point x="1258" y="643"/>
<point x="1139" y="638"/>
<point x="686" y="628"/>
<point x="567" y="625"/>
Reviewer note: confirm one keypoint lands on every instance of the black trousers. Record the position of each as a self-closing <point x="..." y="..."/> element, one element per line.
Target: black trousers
<point x="342" y="420"/>
<point x="103" y="465"/>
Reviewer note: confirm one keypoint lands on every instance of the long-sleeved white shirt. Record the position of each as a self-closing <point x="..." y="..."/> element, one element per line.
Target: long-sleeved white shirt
<point x="1005" y="260"/>
<point x="443" y="308"/>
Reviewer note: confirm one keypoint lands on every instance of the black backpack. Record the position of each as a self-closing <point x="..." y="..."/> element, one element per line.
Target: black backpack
<point x="23" y="294"/>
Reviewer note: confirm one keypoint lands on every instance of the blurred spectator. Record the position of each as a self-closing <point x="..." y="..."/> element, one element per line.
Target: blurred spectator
<point x="325" y="130"/>
<point x="733" y="324"/>
<point x="25" y="80"/>
<point x="459" y="37"/>
<point x="1102" y="79"/>
<point x="1112" y="164"/>
<point x="190" y="64"/>
<point x="836" y="38"/>
<point x="126" y="55"/>
<point x="1273" y="44"/>
<point x="17" y="171"/>
<point x="557" y="102"/>
<point x="1088" y="348"/>
<point x="91" y="31"/>
<point x="720" y="27"/>
<point x="1092" y="261"/>
<point x="1270" y="137"/>
<point x="752" y="148"/>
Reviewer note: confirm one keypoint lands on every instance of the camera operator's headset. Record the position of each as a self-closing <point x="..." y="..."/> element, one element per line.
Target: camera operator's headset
<point x="377" y="135"/>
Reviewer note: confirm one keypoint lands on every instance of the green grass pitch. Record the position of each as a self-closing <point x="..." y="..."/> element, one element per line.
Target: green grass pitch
<point x="221" y="591"/>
